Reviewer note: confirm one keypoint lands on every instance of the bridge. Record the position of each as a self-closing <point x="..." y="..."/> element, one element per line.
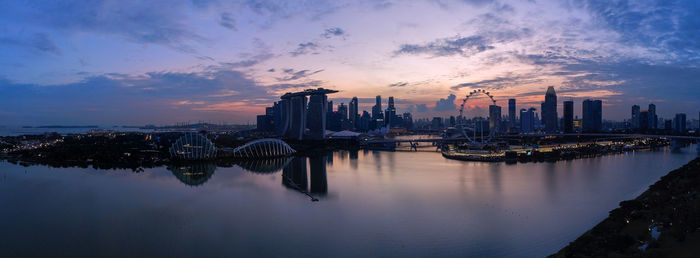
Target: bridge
<point x="611" y="135"/>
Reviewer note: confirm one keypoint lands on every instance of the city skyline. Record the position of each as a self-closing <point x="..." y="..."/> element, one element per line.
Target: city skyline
<point x="110" y="62"/>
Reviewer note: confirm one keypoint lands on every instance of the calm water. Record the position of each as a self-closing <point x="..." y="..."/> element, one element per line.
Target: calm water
<point x="370" y="203"/>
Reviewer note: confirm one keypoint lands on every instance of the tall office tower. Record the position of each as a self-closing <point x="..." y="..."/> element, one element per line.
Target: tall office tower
<point x="634" y="122"/>
<point x="653" y="119"/>
<point x="679" y="123"/>
<point x="353" y="112"/>
<point x="592" y="111"/>
<point x="343" y="111"/>
<point x="568" y="116"/>
<point x="329" y="107"/>
<point x="668" y="125"/>
<point x="407" y="120"/>
<point x="282" y="115"/>
<point x="527" y="120"/>
<point x="298" y="118"/>
<point x="377" y="109"/>
<point x="317" y="116"/>
<point x="644" y="120"/>
<point x="364" y="121"/>
<point x="549" y="111"/>
<point x="511" y="115"/>
<point x="495" y="118"/>
<point x="436" y="123"/>
<point x="390" y="114"/>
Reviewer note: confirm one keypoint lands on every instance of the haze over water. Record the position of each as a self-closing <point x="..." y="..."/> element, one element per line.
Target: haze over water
<point x="370" y="203"/>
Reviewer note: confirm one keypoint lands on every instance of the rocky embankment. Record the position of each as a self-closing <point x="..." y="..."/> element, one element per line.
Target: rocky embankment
<point x="662" y="222"/>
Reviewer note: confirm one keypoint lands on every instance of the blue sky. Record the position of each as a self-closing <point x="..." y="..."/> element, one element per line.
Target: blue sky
<point x="137" y="62"/>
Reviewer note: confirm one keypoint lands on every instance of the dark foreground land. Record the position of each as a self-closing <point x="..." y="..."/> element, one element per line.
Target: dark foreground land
<point x="662" y="222"/>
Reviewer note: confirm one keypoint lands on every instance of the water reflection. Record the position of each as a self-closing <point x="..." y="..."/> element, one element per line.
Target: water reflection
<point x="193" y="174"/>
<point x="294" y="176"/>
<point x="264" y="166"/>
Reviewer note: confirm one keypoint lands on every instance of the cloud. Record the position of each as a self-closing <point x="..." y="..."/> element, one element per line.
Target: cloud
<point x="398" y="84"/>
<point x="497" y="83"/>
<point x="333" y="32"/>
<point x="39" y="42"/>
<point x="226" y="20"/>
<point x="296" y="75"/>
<point x="289" y="86"/>
<point x="664" y="25"/>
<point x="154" y="96"/>
<point x="148" y="22"/>
<point x="447" y="104"/>
<point x="464" y="46"/>
<point x="421" y="108"/>
<point x="304" y="48"/>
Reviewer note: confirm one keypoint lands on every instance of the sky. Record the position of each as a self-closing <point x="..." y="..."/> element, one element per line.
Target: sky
<point x="115" y="62"/>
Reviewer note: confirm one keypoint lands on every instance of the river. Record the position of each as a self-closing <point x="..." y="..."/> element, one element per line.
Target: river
<point x="369" y="203"/>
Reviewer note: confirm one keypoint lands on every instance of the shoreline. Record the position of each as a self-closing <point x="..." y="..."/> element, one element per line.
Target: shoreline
<point x="664" y="221"/>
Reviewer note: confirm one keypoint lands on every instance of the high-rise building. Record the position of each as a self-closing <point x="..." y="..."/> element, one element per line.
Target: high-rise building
<point x="549" y="111"/>
<point x="290" y="113"/>
<point x="317" y="116"/>
<point x="436" y="123"/>
<point x="653" y="119"/>
<point x="679" y="123"/>
<point x="298" y="121"/>
<point x="365" y="121"/>
<point x="353" y="112"/>
<point x="343" y="111"/>
<point x="407" y="120"/>
<point x="281" y="116"/>
<point x="634" y="122"/>
<point x="592" y="111"/>
<point x="527" y="120"/>
<point x="495" y="118"/>
<point x="568" y="125"/>
<point x="644" y="120"/>
<point x="377" y="109"/>
<point x="330" y="107"/>
<point x="511" y="115"/>
<point x="390" y="114"/>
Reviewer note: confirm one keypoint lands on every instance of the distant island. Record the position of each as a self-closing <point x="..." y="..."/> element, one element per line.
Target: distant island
<point x="62" y="126"/>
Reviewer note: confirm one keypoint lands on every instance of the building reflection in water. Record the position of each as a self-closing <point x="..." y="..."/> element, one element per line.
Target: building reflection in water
<point x="294" y="176"/>
<point x="193" y="174"/>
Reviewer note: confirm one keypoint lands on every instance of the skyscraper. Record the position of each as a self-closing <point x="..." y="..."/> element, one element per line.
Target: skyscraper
<point x="298" y="119"/>
<point x="592" y="111"/>
<point x="549" y="111"/>
<point x="527" y="120"/>
<point x="407" y="120"/>
<point x="511" y="115"/>
<point x="568" y="125"/>
<point x="634" y="122"/>
<point x="377" y="109"/>
<point x="390" y="114"/>
<point x="644" y="120"/>
<point x="653" y="119"/>
<point x="353" y="112"/>
<point x="495" y="118"/>
<point x="343" y="111"/>
<point x="679" y="123"/>
<point x="317" y="116"/>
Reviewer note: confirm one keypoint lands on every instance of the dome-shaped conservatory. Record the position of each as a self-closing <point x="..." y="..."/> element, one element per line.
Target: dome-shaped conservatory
<point x="193" y="146"/>
<point x="263" y="148"/>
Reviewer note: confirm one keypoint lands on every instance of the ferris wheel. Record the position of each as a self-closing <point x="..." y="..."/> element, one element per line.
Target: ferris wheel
<point x="462" y="127"/>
